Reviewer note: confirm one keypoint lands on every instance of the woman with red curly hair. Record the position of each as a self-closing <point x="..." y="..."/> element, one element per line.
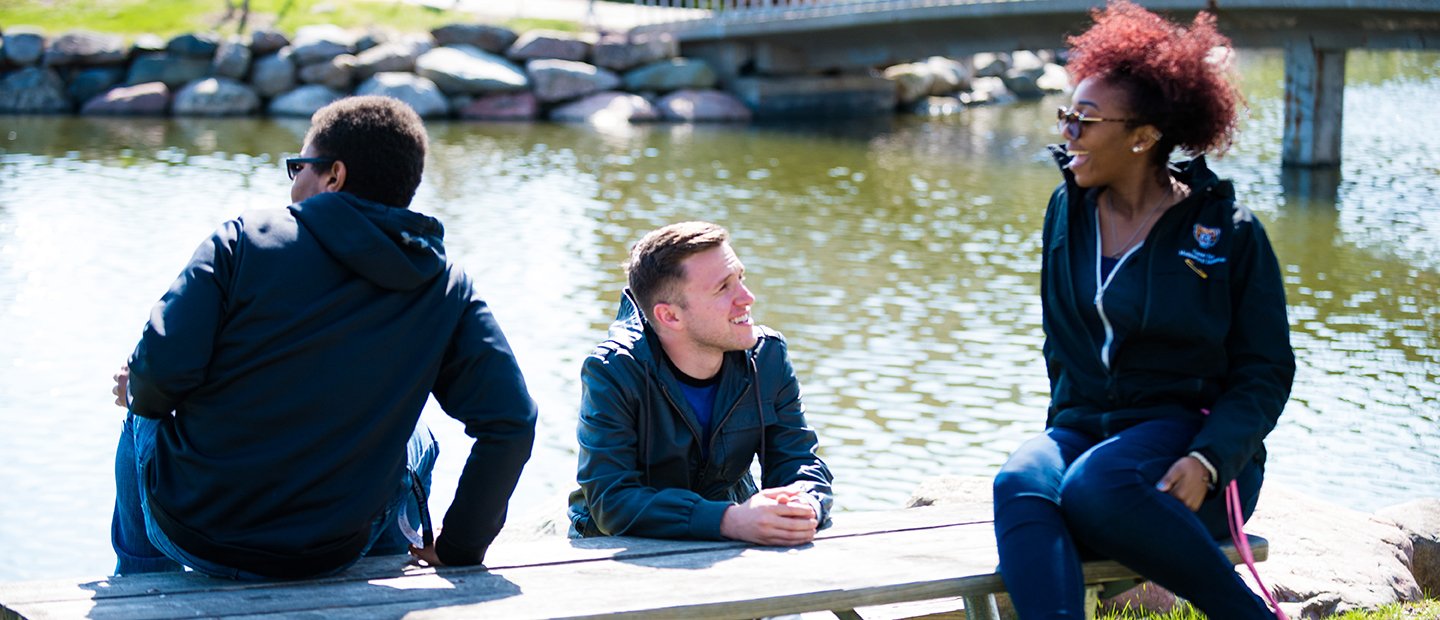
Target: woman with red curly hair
<point x="1166" y="338"/>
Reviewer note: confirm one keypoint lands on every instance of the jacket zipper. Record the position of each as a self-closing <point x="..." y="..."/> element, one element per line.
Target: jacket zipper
<point x="1102" y="285"/>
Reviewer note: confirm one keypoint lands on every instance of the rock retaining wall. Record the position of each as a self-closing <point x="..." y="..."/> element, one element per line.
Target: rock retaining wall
<point x="468" y="71"/>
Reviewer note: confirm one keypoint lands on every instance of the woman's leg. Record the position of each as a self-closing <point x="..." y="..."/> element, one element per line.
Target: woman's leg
<point x="1112" y="506"/>
<point x="1038" y="558"/>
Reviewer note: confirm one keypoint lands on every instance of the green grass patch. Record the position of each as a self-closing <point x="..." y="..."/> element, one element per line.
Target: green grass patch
<point x="1419" y="610"/>
<point x="171" y="17"/>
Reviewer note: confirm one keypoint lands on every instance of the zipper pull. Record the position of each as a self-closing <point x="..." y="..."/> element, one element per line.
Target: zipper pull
<point x="1198" y="271"/>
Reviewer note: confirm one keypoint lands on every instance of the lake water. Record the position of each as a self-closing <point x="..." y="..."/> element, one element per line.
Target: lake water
<point x="899" y="256"/>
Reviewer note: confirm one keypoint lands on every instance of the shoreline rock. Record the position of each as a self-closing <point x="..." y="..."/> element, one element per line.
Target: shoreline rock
<point x="454" y="71"/>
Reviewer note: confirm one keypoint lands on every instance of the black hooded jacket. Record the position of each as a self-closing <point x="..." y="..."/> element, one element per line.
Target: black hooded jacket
<point x="289" y="363"/>
<point x="642" y="471"/>
<point x="1197" y="322"/>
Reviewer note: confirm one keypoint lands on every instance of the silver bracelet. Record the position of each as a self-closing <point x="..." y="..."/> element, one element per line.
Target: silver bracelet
<point x="1208" y="468"/>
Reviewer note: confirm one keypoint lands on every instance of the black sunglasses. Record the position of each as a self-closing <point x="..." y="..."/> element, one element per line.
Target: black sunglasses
<point x="1071" y="122"/>
<point x="294" y="165"/>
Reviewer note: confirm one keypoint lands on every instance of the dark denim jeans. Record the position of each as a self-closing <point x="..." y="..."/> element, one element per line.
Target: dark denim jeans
<point x="142" y="547"/>
<point x="1065" y="496"/>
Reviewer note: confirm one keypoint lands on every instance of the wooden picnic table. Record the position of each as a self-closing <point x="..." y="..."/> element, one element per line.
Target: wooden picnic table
<point x="864" y="560"/>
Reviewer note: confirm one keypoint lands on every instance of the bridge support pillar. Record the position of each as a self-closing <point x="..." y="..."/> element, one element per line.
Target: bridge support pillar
<point x="1314" y="102"/>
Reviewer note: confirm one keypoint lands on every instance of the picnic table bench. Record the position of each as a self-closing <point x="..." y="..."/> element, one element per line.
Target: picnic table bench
<point x="867" y="565"/>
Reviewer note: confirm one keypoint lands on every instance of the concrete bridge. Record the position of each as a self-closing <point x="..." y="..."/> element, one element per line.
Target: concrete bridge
<point x="792" y="56"/>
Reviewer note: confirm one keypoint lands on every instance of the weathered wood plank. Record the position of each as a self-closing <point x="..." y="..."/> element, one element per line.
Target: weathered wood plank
<point x="875" y="559"/>
<point x="554" y="551"/>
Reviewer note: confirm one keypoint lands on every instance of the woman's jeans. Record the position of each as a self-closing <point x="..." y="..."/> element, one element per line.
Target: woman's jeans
<point x="1065" y="496"/>
<point x="142" y="547"/>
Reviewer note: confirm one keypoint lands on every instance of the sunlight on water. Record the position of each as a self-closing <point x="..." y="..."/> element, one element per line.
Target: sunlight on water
<point x="899" y="256"/>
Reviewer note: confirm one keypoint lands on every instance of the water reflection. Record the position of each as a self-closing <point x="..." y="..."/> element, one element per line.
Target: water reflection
<point x="898" y="256"/>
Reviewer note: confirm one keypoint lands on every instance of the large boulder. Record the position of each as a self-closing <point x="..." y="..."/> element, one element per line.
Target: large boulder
<point x="232" y="59"/>
<point x="88" y="83"/>
<point x="266" y="41"/>
<point x="391" y="56"/>
<point x="303" y="101"/>
<point x="335" y="73"/>
<point x="1420" y="521"/>
<point x="191" y="45"/>
<point x="147" y="45"/>
<point x="672" y="74"/>
<point x="151" y="99"/>
<point x="1054" y="79"/>
<point x="988" y="90"/>
<point x="418" y="92"/>
<point x="24" y="45"/>
<point x="273" y="74"/>
<point x="912" y="81"/>
<point x="555" y="80"/>
<point x="493" y="39"/>
<point x="619" y="52"/>
<point x="215" y="97"/>
<point x="1326" y="559"/>
<point x="34" y="89"/>
<point x="701" y="106"/>
<point x="521" y="106"/>
<point x="320" y="43"/>
<point x="85" y="48"/>
<point x="951" y="76"/>
<point x="989" y="64"/>
<point x="174" y="71"/>
<point x="535" y="44"/>
<point x="607" y="108"/>
<point x="465" y="69"/>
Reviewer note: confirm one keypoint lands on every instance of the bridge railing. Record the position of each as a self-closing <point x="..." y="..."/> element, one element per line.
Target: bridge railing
<point x="683" y="14"/>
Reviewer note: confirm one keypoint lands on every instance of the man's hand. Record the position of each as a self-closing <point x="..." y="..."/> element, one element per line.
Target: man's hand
<point x="772" y="517"/>
<point x="426" y="554"/>
<point x="122" y="379"/>
<point x="1187" y="481"/>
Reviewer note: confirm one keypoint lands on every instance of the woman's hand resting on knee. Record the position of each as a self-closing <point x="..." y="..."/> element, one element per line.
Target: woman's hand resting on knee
<point x="1187" y="480"/>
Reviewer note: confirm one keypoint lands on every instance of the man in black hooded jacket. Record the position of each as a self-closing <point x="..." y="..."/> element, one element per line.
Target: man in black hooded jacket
<point x="275" y="393"/>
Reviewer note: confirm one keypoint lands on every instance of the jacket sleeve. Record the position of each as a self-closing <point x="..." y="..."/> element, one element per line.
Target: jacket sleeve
<point x="790" y="443"/>
<point x="480" y="385"/>
<point x="609" y="471"/>
<point x="179" y="339"/>
<point x="1047" y="237"/>
<point x="1261" y="362"/>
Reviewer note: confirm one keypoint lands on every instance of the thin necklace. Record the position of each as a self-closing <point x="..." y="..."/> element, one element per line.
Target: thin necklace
<point x="1128" y="242"/>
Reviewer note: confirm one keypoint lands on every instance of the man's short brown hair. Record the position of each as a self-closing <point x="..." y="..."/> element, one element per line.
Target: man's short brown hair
<point x="654" y="268"/>
<point x="382" y="142"/>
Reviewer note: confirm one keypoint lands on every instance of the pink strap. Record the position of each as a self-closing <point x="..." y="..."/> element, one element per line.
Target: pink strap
<point x="1242" y="544"/>
<point x="1236" y="518"/>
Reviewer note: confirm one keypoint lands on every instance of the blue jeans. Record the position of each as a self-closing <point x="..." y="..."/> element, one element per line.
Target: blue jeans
<point x="142" y="547"/>
<point x="1065" y="496"/>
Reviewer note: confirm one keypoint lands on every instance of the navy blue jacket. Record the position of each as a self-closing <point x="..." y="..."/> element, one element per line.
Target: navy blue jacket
<point x="642" y="471"/>
<point x="1204" y="328"/>
<point x="289" y="363"/>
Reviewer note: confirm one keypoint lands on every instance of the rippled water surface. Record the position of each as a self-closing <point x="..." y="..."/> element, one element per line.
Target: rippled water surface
<point x="900" y="257"/>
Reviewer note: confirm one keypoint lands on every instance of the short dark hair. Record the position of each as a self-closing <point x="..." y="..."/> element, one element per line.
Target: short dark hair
<point x="654" y="269"/>
<point x="382" y="142"/>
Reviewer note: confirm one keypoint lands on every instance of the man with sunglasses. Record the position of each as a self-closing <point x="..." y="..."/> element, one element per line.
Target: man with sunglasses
<point x="274" y="398"/>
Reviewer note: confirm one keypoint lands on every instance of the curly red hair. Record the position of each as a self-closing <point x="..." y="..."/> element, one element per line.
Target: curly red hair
<point x="1168" y="70"/>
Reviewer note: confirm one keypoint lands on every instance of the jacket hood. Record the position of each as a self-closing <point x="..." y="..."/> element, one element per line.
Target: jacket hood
<point x="396" y="249"/>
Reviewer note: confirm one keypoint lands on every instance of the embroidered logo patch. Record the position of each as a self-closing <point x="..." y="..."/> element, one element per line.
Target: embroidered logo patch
<point x="1206" y="237"/>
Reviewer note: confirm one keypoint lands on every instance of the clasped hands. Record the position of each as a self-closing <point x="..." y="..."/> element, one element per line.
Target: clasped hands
<point x="777" y="517"/>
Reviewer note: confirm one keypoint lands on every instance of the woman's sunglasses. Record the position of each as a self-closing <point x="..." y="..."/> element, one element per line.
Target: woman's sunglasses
<point x="1071" y="123"/>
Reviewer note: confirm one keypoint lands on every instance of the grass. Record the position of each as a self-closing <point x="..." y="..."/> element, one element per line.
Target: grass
<point x="171" y="17"/>
<point x="1419" y="610"/>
